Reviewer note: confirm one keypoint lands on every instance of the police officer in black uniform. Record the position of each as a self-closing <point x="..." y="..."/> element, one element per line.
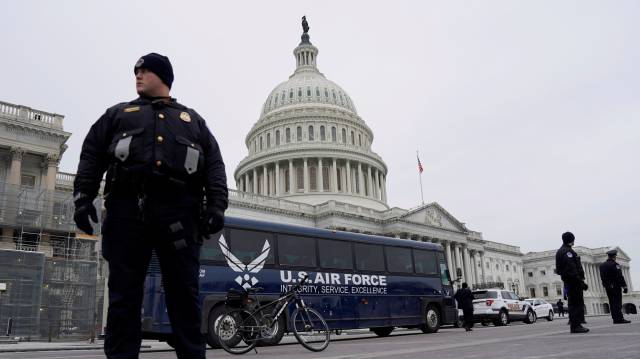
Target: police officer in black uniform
<point x="464" y="297"/>
<point x="614" y="283"/>
<point x="161" y="162"/>
<point x="569" y="267"/>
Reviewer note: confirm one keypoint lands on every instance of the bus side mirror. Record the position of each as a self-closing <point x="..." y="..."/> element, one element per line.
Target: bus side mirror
<point x="446" y="271"/>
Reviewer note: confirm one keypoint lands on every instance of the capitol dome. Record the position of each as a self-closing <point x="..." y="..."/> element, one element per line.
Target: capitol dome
<point x="310" y="145"/>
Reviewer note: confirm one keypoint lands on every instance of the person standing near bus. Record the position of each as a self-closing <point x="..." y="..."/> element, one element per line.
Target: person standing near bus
<point x="465" y="298"/>
<point x="614" y="283"/>
<point x="569" y="267"/>
<point x="161" y="161"/>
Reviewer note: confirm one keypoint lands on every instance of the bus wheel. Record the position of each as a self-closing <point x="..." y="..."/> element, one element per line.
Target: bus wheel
<point x="382" y="332"/>
<point x="432" y="320"/>
<point x="211" y="337"/>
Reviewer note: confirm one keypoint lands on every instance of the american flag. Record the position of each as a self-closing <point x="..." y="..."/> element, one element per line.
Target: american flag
<point x="419" y="164"/>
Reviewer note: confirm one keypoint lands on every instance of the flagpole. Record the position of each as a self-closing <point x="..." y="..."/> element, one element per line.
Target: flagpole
<point x="420" y="177"/>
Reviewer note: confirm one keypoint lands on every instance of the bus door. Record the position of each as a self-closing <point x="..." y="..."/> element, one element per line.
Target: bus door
<point x="450" y="311"/>
<point x="404" y="299"/>
<point x="371" y="298"/>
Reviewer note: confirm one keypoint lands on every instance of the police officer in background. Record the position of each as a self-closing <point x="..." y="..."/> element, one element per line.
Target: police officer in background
<point x="464" y="297"/>
<point x="614" y="283"/>
<point x="161" y="162"/>
<point x="569" y="267"/>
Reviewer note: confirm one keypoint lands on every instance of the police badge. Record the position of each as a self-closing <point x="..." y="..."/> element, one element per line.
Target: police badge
<point x="185" y="117"/>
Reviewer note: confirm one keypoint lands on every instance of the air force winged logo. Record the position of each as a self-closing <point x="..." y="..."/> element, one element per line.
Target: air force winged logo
<point x="245" y="279"/>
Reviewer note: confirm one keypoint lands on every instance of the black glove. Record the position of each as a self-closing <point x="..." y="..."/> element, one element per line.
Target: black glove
<point x="212" y="221"/>
<point x="85" y="210"/>
<point x="584" y="286"/>
<point x="625" y="290"/>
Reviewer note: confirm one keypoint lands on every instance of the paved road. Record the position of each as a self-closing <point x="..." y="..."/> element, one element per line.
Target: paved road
<point x="540" y="340"/>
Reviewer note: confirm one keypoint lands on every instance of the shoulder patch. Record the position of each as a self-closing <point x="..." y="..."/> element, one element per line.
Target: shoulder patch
<point x="569" y="255"/>
<point x="184" y="116"/>
<point x="132" y="109"/>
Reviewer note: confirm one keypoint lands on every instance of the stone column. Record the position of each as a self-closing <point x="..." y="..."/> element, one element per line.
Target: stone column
<point x="360" y="179"/>
<point x="384" y="188"/>
<point x="15" y="171"/>
<point x="278" y="178"/>
<point x="467" y="267"/>
<point x="291" y="185"/>
<point x="255" y="180"/>
<point x="628" y="279"/>
<point x="456" y="248"/>
<point x="245" y="182"/>
<point x="13" y="181"/>
<point x="447" y="253"/>
<point x="51" y="166"/>
<point x="483" y="265"/>
<point x="319" y="177"/>
<point x="306" y="176"/>
<point x="348" y="176"/>
<point x="378" y="192"/>
<point x="476" y="274"/>
<point x="334" y="176"/>
<point x="265" y="181"/>
<point x="369" y="182"/>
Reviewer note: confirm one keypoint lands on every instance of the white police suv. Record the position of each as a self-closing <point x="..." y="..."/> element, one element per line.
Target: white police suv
<point x="501" y="307"/>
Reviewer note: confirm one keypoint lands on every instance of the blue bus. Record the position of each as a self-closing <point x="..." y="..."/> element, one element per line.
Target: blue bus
<point x="355" y="280"/>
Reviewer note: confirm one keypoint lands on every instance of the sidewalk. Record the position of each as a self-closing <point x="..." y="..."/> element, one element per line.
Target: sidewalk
<point x="147" y="346"/>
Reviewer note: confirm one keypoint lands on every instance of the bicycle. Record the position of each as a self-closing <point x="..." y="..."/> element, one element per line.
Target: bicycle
<point x="240" y="330"/>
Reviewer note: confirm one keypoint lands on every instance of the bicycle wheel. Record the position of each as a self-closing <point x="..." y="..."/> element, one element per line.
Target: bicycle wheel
<point x="310" y="329"/>
<point x="237" y="331"/>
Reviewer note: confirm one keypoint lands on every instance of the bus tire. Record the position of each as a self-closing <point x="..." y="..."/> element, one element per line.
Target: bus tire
<point x="431" y="320"/>
<point x="214" y="314"/>
<point x="382" y="332"/>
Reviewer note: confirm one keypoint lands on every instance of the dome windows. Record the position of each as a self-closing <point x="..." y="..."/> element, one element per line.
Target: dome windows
<point x="344" y="136"/>
<point x="309" y="91"/>
<point x="268" y="140"/>
<point x="287" y="135"/>
<point x="299" y="134"/>
<point x="353" y="138"/>
<point x="299" y="91"/>
<point x="317" y="91"/>
<point x="311" y="134"/>
<point x="260" y="143"/>
<point x="291" y="94"/>
<point x="333" y="134"/>
<point x="277" y="137"/>
<point x="322" y="134"/>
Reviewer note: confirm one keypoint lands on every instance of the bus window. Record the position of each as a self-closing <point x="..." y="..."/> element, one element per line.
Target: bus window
<point x="399" y="260"/>
<point x="248" y="245"/>
<point x="335" y="254"/>
<point x="425" y="262"/>
<point x="210" y="250"/>
<point x="444" y="273"/>
<point x="369" y="257"/>
<point x="296" y="251"/>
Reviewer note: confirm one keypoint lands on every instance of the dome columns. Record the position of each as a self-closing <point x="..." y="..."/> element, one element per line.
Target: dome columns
<point x="314" y="175"/>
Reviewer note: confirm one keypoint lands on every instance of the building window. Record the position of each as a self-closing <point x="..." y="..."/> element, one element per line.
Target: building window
<point x="333" y="134"/>
<point x="326" y="93"/>
<point x="318" y="91"/>
<point x="530" y="274"/>
<point x="545" y="291"/>
<point x="353" y="138"/>
<point x="532" y="291"/>
<point x="339" y="175"/>
<point x="28" y="181"/>
<point x="344" y="136"/>
<point x="282" y="98"/>
<point x="360" y="140"/>
<point x="311" y="133"/>
<point x="543" y="273"/>
<point x="287" y="135"/>
<point x="308" y="91"/>
<point x="506" y="267"/>
<point x="299" y="134"/>
<point x="299" y="92"/>
<point x="300" y="178"/>
<point x="287" y="184"/>
<point x="497" y="266"/>
<point x="277" y="137"/>
<point x="558" y="289"/>
<point x="333" y="92"/>
<point x="313" y="178"/>
<point x="325" y="178"/>
<point x="268" y="140"/>
<point x="260" y="143"/>
<point x="488" y="266"/>
<point x="291" y="94"/>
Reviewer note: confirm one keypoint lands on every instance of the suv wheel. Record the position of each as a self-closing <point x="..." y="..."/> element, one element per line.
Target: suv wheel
<point x="550" y="316"/>
<point x="503" y="318"/>
<point x="530" y="318"/>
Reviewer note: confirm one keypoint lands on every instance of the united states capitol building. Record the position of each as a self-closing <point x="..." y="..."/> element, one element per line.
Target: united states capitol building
<point x="309" y="162"/>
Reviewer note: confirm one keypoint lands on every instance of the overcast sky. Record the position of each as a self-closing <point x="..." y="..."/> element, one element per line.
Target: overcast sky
<point x="526" y="115"/>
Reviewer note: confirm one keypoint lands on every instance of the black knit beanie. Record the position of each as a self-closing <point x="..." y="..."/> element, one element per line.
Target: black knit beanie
<point x="568" y="237"/>
<point x="158" y="64"/>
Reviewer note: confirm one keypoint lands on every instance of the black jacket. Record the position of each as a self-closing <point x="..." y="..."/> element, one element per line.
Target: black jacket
<point x="465" y="298"/>
<point x="611" y="275"/>
<point x="153" y="142"/>
<point x="569" y="266"/>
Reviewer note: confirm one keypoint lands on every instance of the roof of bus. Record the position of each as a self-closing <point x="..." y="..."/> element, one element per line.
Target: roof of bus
<point x="327" y="233"/>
